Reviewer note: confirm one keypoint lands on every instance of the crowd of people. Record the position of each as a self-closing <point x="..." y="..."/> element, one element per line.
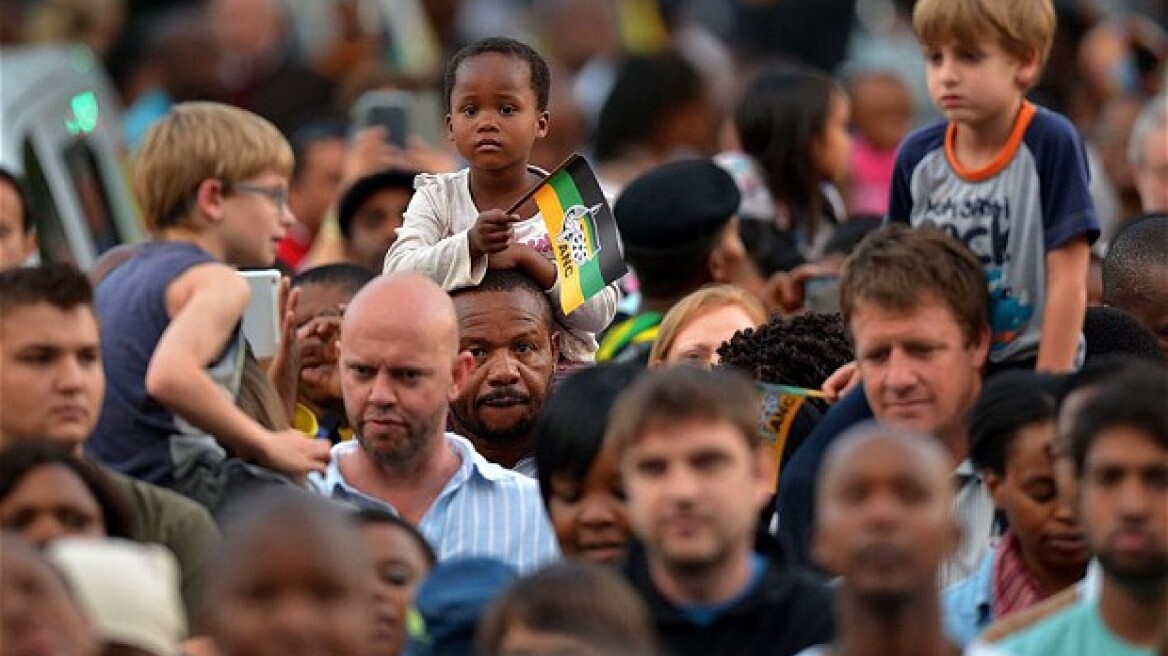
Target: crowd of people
<point x="881" y="380"/>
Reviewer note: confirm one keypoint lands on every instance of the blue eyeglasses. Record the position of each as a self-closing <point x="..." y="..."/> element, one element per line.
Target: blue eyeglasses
<point x="277" y="194"/>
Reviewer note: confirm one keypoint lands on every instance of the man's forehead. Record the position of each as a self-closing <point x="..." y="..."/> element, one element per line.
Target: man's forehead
<point x="1124" y="445"/>
<point x="680" y="436"/>
<point x="485" y="327"/>
<point x="517" y="302"/>
<point x="927" y="313"/>
<point x="318" y="297"/>
<point x="389" y="347"/>
<point x="887" y="454"/>
<point x="46" y="323"/>
<point x="516" y="296"/>
<point x="324" y="292"/>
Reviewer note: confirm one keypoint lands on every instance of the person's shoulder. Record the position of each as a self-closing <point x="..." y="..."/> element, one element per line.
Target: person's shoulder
<point x="1051" y="132"/>
<point x="212" y="274"/>
<point x="442" y="183"/>
<point x="1017" y="625"/>
<point x="212" y="279"/>
<point x="156" y="507"/>
<point x="974" y="584"/>
<point x="1063" y="632"/>
<point x="157" y="259"/>
<point x="788" y="581"/>
<point x="921" y="142"/>
<point x="496" y="475"/>
<point x="798" y="599"/>
<point x="1048" y="119"/>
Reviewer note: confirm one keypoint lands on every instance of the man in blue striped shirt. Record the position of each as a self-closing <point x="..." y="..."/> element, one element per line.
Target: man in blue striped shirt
<point x="400" y="369"/>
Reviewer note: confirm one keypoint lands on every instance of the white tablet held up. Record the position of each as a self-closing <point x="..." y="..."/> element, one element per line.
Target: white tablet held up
<point x="261" y="319"/>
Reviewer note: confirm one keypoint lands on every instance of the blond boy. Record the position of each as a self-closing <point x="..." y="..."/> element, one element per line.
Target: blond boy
<point x="212" y="182"/>
<point x="1006" y="177"/>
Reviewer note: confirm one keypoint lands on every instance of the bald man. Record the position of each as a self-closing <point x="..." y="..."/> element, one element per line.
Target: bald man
<point x="1135" y="273"/>
<point x="400" y="370"/>
<point x="885" y="524"/>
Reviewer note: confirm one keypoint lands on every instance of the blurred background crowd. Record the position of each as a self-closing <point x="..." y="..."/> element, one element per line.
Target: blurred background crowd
<point x="635" y="82"/>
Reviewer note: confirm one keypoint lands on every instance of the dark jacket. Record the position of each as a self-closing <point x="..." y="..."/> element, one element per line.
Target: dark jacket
<point x="790" y="611"/>
<point x="796" y="498"/>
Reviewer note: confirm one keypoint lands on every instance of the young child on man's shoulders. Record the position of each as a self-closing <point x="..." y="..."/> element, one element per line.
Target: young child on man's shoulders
<point x="1005" y="176"/>
<point x="457" y="226"/>
<point x="212" y="181"/>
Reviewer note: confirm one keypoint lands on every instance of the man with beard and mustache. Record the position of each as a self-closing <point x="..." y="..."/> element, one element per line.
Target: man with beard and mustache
<point x="400" y="369"/>
<point x="885" y="525"/>
<point x="1119" y="446"/>
<point x="506" y="324"/>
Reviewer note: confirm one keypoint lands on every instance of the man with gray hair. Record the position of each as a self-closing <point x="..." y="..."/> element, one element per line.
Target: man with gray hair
<point x="1148" y="153"/>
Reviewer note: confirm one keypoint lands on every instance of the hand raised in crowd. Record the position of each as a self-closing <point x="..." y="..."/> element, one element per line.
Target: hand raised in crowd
<point x="491" y="233"/>
<point x="421" y="156"/>
<point x="284" y="366"/>
<point x="786" y="290"/>
<point x="842" y="381"/>
<point x="319" y="353"/>
<point x="371" y="152"/>
<point x="293" y="454"/>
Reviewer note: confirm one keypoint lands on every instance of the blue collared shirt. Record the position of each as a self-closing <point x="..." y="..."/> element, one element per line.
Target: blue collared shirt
<point x="968" y="604"/>
<point x="483" y="510"/>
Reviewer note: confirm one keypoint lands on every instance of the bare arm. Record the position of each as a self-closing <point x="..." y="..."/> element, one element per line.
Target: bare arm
<point x="434" y="244"/>
<point x="1066" y="304"/>
<point x="205" y="304"/>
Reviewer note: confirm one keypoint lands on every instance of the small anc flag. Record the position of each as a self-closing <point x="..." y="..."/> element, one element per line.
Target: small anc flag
<point x="582" y="231"/>
<point x="778" y="417"/>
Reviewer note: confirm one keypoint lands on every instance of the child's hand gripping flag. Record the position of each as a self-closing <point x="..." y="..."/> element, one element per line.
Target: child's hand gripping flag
<point x="582" y="231"/>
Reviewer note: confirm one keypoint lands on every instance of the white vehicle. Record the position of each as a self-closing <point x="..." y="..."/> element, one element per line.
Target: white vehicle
<point x="60" y="130"/>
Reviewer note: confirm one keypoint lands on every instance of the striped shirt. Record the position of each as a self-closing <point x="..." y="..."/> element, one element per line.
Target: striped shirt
<point x="974" y="510"/>
<point x="483" y="510"/>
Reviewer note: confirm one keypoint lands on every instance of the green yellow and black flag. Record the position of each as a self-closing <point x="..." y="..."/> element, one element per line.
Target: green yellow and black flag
<point x="582" y="230"/>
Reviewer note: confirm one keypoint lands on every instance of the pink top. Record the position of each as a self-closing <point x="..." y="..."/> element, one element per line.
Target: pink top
<point x="871" y="170"/>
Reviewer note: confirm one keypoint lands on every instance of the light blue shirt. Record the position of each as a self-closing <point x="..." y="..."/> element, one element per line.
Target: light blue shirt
<point x="967" y="606"/>
<point x="483" y="510"/>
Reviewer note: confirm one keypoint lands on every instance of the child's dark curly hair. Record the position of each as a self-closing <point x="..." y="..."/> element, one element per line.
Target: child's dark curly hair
<point x="802" y="350"/>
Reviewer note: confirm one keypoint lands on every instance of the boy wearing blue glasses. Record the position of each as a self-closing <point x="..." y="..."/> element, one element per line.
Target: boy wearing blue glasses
<point x="212" y="182"/>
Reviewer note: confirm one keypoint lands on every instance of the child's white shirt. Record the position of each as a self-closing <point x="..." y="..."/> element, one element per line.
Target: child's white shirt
<point x="434" y="240"/>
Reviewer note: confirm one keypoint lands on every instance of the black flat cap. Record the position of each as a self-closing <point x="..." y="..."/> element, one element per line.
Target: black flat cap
<point x="676" y="206"/>
<point x="363" y="188"/>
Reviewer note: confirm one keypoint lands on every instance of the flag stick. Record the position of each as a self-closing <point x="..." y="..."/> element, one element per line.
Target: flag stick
<point x="802" y="391"/>
<point x="531" y="192"/>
